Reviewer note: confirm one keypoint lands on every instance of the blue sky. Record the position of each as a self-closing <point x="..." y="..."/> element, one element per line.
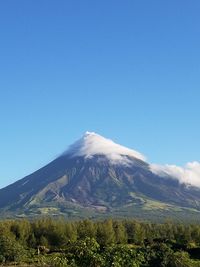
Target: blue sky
<point x="128" y="70"/>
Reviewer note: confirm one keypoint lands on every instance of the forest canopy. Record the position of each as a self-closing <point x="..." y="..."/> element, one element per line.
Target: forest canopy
<point x="57" y="242"/>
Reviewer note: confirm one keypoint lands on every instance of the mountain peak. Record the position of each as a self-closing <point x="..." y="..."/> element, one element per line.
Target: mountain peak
<point x="94" y="144"/>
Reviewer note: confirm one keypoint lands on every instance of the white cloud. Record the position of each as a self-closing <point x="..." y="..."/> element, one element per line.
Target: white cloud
<point x="189" y="174"/>
<point x="92" y="144"/>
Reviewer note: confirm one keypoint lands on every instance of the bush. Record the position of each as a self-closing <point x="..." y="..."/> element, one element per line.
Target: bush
<point x="11" y="250"/>
<point x="122" y="255"/>
<point x="85" y="253"/>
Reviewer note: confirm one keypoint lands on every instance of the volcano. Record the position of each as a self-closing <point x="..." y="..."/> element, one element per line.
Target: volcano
<point x="97" y="177"/>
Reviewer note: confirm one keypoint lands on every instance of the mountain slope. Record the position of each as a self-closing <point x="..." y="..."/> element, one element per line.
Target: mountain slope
<point x="96" y="174"/>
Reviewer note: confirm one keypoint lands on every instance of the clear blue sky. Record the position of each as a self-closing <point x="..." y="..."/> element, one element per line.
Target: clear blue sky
<point x="128" y="70"/>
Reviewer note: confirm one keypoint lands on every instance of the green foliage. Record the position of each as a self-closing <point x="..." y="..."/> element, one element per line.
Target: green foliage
<point x="158" y="255"/>
<point x="54" y="260"/>
<point x="120" y="232"/>
<point x="31" y="241"/>
<point x="85" y="253"/>
<point x="99" y="243"/>
<point x="11" y="250"/>
<point x="105" y="233"/>
<point x="135" y="232"/>
<point x="21" y="230"/>
<point x="123" y="256"/>
<point x="181" y="259"/>
<point x="70" y="232"/>
<point x="43" y="241"/>
<point x="86" y="229"/>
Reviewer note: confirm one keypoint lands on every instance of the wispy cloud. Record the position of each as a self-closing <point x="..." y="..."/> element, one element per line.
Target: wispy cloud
<point x="189" y="174"/>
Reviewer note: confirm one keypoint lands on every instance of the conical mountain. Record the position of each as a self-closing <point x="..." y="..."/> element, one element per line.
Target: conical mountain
<point x="95" y="174"/>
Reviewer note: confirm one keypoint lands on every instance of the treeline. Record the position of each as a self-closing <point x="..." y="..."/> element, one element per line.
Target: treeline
<point x="99" y="243"/>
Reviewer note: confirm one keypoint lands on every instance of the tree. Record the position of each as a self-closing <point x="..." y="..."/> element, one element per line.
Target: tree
<point x="32" y="242"/>
<point x="70" y="232"/>
<point x="135" y="232"/>
<point x="21" y="229"/>
<point x="120" y="232"/>
<point x="105" y="233"/>
<point x="85" y="229"/>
